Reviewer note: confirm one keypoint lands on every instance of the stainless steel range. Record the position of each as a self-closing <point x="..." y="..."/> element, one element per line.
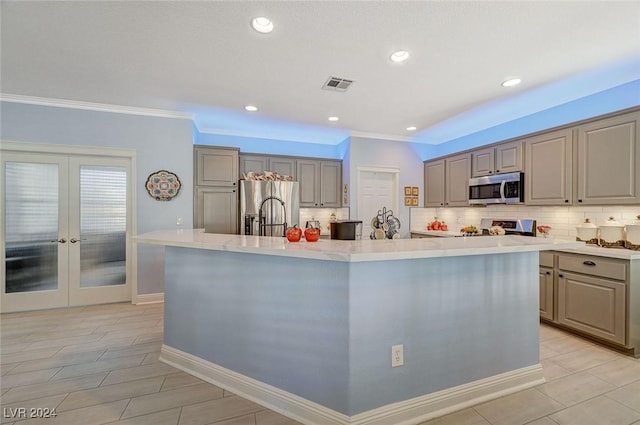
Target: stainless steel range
<point x="511" y="226"/>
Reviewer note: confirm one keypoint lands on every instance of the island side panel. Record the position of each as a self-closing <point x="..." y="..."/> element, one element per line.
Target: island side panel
<point x="460" y="319"/>
<point x="280" y="320"/>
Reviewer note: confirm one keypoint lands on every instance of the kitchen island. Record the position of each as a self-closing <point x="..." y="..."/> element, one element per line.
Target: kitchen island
<point x="307" y="329"/>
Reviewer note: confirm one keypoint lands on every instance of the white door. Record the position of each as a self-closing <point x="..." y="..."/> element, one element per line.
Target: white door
<point x="65" y="225"/>
<point x="377" y="189"/>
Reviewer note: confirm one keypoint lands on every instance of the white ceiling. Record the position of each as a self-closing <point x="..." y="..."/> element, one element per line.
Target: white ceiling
<point x="202" y="58"/>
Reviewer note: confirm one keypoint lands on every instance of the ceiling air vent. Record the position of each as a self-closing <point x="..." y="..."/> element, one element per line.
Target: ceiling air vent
<point x="337" y="84"/>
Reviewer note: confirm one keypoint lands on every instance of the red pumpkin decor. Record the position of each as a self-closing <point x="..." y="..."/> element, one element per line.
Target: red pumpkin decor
<point x="312" y="235"/>
<point x="294" y="233"/>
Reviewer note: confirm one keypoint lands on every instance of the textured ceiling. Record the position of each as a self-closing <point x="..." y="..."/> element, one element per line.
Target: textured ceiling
<point x="203" y="58"/>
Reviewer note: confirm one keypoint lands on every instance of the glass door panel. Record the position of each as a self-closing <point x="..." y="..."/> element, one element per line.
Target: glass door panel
<point x="34" y="250"/>
<point x="99" y="225"/>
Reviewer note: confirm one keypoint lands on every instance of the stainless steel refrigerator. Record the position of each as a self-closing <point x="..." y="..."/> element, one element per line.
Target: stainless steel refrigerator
<point x="267" y="208"/>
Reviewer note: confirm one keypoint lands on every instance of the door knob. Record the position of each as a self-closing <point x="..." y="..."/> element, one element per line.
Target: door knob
<point x="74" y="240"/>
<point x="61" y="240"/>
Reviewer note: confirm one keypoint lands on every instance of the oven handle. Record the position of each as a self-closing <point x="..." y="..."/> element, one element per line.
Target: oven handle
<point x="503" y="183"/>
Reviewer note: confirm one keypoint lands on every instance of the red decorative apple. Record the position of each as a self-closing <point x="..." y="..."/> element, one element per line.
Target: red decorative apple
<point x="294" y="233"/>
<point x="312" y="235"/>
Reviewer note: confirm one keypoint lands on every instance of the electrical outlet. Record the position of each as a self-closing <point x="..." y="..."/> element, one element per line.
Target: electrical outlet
<point x="397" y="355"/>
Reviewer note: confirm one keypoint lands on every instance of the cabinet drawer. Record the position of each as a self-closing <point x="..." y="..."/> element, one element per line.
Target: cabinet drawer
<point x="595" y="266"/>
<point x="546" y="259"/>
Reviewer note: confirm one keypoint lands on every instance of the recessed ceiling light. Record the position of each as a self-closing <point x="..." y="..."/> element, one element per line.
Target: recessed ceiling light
<point x="251" y="108"/>
<point x="399" y="56"/>
<point x="262" y="25"/>
<point x="412" y="128"/>
<point x="333" y="119"/>
<point x="511" y="82"/>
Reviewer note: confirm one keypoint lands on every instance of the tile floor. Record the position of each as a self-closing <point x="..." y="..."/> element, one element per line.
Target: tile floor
<point x="99" y="365"/>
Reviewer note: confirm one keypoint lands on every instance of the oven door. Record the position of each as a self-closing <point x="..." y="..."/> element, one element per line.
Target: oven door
<point x="498" y="189"/>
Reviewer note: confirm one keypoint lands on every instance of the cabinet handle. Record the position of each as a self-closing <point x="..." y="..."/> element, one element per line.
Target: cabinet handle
<point x="497" y="171"/>
<point x="566" y="201"/>
<point x="579" y="200"/>
<point x="548" y="273"/>
<point x="588" y="263"/>
<point x="234" y="183"/>
<point x="560" y="275"/>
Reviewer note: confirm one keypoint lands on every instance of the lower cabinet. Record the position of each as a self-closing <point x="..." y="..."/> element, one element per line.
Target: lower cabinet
<point x="216" y="209"/>
<point x="546" y="293"/>
<point x="593" y="305"/>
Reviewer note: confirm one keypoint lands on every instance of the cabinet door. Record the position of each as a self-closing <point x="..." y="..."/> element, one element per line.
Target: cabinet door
<point x="216" y="209"/>
<point x="434" y="183"/>
<point x="548" y="169"/>
<point x="308" y="172"/>
<point x="330" y="183"/>
<point x="482" y="162"/>
<point x="592" y="305"/>
<point x="216" y="166"/>
<point x="609" y="161"/>
<point x="546" y="293"/>
<point x="283" y="166"/>
<point x="509" y="157"/>
<point x="458" y="171"/>
<point x="255" y="163"/>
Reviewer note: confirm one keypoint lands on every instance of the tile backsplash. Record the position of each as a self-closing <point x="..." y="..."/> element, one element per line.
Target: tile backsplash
<point x="562" y="219"/>
<point x="323" y="215"/>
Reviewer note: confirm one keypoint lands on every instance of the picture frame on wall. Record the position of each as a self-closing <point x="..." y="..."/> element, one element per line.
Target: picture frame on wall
<point x="407" y="191"/>
<point x="407" y="201"/>
<point x="414" y="202"/>
<point x="415" y="191"/>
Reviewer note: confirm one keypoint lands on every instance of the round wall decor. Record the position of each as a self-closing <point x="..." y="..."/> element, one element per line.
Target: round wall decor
<point x="163" y="185"/>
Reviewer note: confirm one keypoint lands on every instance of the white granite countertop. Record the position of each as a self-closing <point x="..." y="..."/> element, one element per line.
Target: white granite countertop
<point x="437" y="233"/>
<point x="353" y="251"/>
<point x="624" y="254"/>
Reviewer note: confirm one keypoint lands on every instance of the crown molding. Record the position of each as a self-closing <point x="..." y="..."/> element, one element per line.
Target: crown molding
<point x="90" y="106"/>
<point x="380" y="136"/>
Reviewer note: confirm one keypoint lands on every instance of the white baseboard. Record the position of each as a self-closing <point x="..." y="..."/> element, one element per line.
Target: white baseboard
<point x="149" y="298"/>
<point x="413" y="411"/>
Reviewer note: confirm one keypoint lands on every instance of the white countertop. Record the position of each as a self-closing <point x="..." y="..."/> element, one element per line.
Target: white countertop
<point x="353" y="251"/>
<point x="437" y="233"/>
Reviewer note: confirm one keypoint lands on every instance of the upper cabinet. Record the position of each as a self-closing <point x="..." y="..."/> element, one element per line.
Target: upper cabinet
<point x="285" y="166"/>
<point x="548" y="177"/>
<point x="608" y="156"/>
<point x="216" y="166"/>
<point x="500" y="159"/>
<point x="446" y="181"/>
<point x="320" y="182"/>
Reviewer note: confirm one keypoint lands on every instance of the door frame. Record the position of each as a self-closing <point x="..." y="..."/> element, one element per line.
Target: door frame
<point x="395" y="174"/>
<point x="87" y="151"/>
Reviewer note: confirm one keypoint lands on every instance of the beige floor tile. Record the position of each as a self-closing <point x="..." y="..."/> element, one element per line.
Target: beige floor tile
<point x="543" y="421"/>
<point x="519" y="408"/>
<point x="138" y="372"/>
<point x="27" y="378"/>
<point x="151" y="358"/>
<point x="551" y="370"/>
<point x="596" y="411"/>
<point x="619" y="372"/>
<point x="268" y="417"/>
<point x="108" y="393"/>
<point x="132" y="350"/>
<point x="242" y="420"/>
<point x="58" y="361"/>
<point x="7" y="368"/>
<point x="166" y="417"/>
<point x="98" y="345"/>
<point x="98" y="366"/>
<point x="463" y="417"/>
<point x="565" y="344"/>
<point x="136" y="332"/>
<point x="575" y="388"/>
<point x="217" y="410"/>
<point x="154" y="337"/>
<point x="24" y="356"/>
<point x="23" y="409"/>
<point x="94" y="415"/>
<point x="8" y="347"/>
<point x="173" y="398"/>
<point x="61" y="342"/>
<point x="46" y="389"/>
<point x="629" y="395"/>
<point x="125" y="325"/>
<point x="178" y="380"/>
<point x="585" y="358"/>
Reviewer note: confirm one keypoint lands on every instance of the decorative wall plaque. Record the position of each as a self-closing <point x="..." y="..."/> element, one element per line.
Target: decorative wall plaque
<point x="163" y="185"/>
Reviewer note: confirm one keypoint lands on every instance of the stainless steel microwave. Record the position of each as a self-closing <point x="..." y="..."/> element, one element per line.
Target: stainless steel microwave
<point x="497" y="189"/>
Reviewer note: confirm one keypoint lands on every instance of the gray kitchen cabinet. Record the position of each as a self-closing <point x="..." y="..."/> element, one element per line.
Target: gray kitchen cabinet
<point x="500" y="159"/>
<point x="285" y="166"/>
<point x="548" y="176"/>
<point x="320" y="182"/>
<point x="446" y="181"/>
<point x="546" y="276"/>
<point x="216" y="209"/>
<point x="608" y="153"/>
<point x="215" y="166"/>
<point x="215" y="197"/>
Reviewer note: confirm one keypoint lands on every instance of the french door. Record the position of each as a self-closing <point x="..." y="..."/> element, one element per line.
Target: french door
<point x="65" y="224"/>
